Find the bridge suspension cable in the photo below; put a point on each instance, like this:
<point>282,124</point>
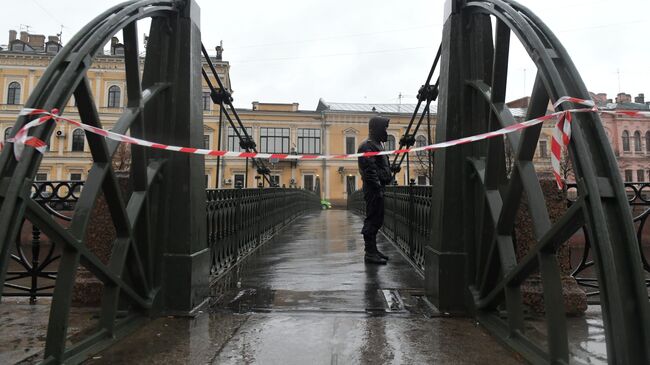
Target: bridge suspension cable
<point>426,93</point>
<point>223,96</point>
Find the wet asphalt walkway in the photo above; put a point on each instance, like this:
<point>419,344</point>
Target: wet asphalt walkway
<point>306,297</point>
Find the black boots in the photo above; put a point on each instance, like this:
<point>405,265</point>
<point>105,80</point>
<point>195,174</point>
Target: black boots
<point>374,258</point>
<point>373,255</point>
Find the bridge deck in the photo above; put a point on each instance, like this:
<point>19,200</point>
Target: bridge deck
<point>306,297</point>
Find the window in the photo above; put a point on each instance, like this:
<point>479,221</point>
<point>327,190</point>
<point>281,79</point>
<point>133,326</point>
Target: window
<point>626,141</point>
<point>75,176</point>
<point>308,182</point>
<point>7,133</point>
<point>41,176</point>
<point>390,144</point>
<point>233,140</point>
<point>13,93</point>
<point>78,140</point>
<point>637,141</point>
<point>114,95</point>
<point>422,180</point>
<point>350,145</point>
<point>207,181</point>
<point>239,180</point>
<point>207,100</point>
<point>351,184</point>
<point>309,141</point>
<point>628,175</point>
<point>275,180</point>
<point>206,141</point>
<point>647,141</point>
<point>640,176</point>
<point>543,150</point>
<point>18,47</point>
<point>421,141</point>
<point>274,140</point>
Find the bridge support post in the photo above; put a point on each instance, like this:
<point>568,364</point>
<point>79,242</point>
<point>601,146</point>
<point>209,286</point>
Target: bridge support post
<point>445,257</point>
<point>186,259</point>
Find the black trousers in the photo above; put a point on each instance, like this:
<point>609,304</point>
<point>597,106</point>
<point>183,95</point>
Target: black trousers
<point>374,216</point>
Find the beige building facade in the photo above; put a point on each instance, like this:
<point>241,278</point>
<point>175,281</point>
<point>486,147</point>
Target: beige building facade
<point>333,128</point>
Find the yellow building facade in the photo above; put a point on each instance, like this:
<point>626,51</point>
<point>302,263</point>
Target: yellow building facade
<point>332,128</point>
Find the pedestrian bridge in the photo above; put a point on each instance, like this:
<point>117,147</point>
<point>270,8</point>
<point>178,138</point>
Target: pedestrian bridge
<point>150,265</point>
<point>306,297</point>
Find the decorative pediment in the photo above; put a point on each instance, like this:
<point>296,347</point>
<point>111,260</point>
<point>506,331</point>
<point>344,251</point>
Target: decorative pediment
<point>350,131</point>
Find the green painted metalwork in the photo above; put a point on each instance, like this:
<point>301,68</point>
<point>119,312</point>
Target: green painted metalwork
<point>470,260</point>
<point>240,220</point>
<point>38,264</point>
<point>407,218</point>
<point>132,277</point>
<point>639,200</point>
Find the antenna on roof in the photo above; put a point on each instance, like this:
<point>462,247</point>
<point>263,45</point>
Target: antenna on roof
<point>399,104</point>
<point>25,27</point>
<point>60,34</point>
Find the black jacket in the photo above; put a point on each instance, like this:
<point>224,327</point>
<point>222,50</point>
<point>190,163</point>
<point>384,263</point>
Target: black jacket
<point>375,171</point>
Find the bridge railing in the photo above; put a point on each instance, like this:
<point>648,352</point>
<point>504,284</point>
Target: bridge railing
<point>582,269</point>
<point>239,220</point>
<point>407,218</point>
<point>34,257</point>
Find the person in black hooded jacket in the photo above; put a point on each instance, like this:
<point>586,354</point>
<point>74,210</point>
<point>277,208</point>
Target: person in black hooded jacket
<point>376,174</point>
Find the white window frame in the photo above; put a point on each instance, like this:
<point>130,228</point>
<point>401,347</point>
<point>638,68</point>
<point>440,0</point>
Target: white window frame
<point>8,82</point>
<point>313,175</point>
<point>356,183</point>
<point>279,176</point>
<point>122,94</point>
<point>209,103</point>
<point>71,138</point>
<point>345,142</point>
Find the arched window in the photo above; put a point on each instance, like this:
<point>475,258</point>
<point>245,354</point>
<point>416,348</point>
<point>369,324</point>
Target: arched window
<point>626,141</point>
<point>647,141</point>
<point>13,94</point>
<point>637,141</point>
<point>78,140</point>
<point>421,141</point>
<point>114,94</point>
<point>7,133</point>
<point>390,144</point>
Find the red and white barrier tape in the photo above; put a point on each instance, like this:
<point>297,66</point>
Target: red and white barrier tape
<point>560,141</point>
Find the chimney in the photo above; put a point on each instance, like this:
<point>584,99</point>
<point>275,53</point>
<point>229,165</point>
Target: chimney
<point>640,99</point>
<point>219,49</point>
<point>12,35</point>
<point>53,38</point>
<point>24,36</point>
<point>623,98</point>
<point>37,41</point>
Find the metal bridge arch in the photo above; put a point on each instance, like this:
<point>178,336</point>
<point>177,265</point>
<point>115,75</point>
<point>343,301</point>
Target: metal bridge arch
<point>163,104</point>
<point>473,76</point>
<point>472,240</point>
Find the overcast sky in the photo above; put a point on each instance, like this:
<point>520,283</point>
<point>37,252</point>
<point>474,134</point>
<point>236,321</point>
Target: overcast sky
<point>373,50</point>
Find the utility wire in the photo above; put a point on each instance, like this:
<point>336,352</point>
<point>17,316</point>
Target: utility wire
<point>341,36</point>
<point>330,55</point>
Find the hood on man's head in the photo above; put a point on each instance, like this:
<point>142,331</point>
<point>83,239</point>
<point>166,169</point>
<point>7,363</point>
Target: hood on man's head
<point>377,128</point>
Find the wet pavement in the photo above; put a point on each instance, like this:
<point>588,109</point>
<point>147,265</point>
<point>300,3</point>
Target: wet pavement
<point>306,297</point>
<point>23,328</point>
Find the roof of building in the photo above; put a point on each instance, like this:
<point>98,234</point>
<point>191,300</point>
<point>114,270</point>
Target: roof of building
<point>627,106</point>
<point>518,112</point>
<point>369,108</point>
